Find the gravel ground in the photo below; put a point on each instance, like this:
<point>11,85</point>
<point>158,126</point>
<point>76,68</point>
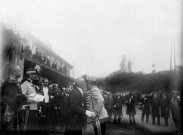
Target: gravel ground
<point>139,129</point>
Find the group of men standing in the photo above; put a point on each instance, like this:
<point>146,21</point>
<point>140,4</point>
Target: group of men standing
<point>157,104</point>
<point>161,104</point>
<point>86,100</point>
<point>21,112</point>
<point>81,101</point>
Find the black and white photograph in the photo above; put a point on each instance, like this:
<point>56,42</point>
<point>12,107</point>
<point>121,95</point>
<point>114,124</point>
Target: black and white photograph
<point>91,67</point>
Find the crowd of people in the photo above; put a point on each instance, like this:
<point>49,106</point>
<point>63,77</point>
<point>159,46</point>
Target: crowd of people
<point>40,106</point>
<point>74,106</point>
<point>156,104</point>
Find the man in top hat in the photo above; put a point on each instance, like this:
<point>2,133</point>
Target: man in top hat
<point>29,89</point>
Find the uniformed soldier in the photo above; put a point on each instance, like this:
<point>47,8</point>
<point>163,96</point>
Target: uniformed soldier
<point>29,89</point>
<point>12,98</point>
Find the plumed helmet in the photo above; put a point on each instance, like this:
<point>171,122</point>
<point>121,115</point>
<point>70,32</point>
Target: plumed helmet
<point>15,70</point>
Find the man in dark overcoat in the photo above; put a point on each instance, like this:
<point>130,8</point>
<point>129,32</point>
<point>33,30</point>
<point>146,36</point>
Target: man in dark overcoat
<point>117,104</point>
<point>108,102</point>
<point>55,107</point>
<point>155,107</point>
<point>146,109</point>
<point>78,110</point>
<point>165,107</point>
<point>131,109</point>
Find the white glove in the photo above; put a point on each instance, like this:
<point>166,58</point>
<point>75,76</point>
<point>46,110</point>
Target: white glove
<point>89,113</point>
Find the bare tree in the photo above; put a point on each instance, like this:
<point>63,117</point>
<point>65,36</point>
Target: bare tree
<point>129,66</point>
<point>123,66</point>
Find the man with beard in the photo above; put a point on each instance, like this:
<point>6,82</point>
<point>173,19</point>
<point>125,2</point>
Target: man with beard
<point>55,107</point>
<point>45,106</point>
<point>67,108</point>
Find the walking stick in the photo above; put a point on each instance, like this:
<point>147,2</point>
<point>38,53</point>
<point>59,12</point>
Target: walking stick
<point>97,122</point>
<point>98,126</point>
<point>18,125</point>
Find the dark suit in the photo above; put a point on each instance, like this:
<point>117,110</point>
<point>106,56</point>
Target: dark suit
<point>117,104</point>
<point>165,108</point>
<point>146,109</point>
<point>131,110</point>
<point>77,113</point>
<point>55,108</point>
<point>155,107</point>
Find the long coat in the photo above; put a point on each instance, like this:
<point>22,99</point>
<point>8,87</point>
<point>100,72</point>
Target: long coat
<point>155,105</point>
<point>131,107</point>
<point>98,103</point>
<point>77,111</point>
<point>10,90</point>
<point>146,105</point>
<point>108,102</point>
<point>176,111</point>
<point>165,107</point>
<point>117,102</point>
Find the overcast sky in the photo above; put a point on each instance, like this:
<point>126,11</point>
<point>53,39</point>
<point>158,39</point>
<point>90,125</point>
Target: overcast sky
<point>93,35</point>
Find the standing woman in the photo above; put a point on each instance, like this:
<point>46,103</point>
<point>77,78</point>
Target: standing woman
<point>98,107</point>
